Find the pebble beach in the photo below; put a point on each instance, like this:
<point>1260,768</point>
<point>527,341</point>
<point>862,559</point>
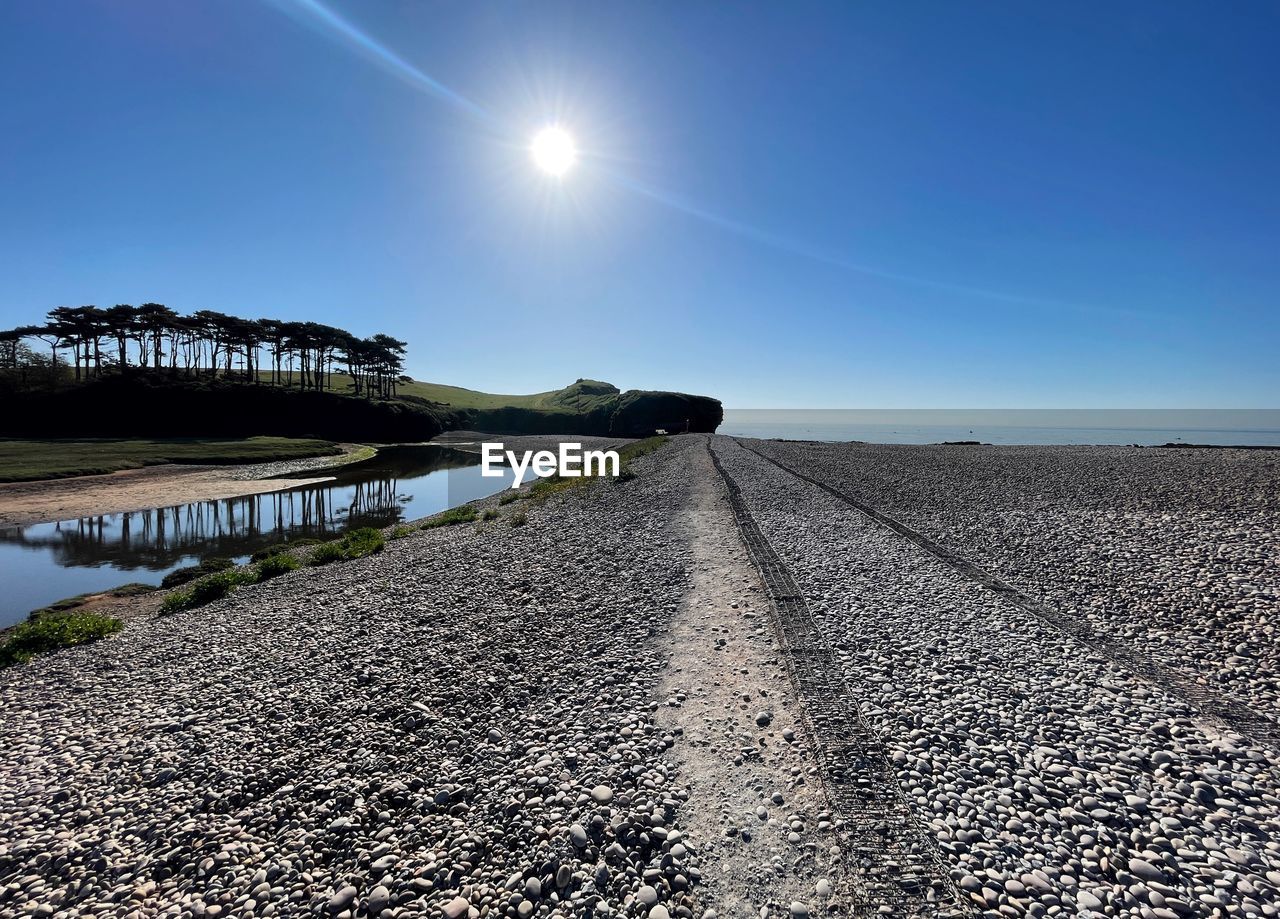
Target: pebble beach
<point>718,688</point>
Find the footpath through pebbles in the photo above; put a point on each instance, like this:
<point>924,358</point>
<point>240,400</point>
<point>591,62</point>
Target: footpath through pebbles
<point>1053,782</point>
<point>460,726</point>
<point>770,846</point>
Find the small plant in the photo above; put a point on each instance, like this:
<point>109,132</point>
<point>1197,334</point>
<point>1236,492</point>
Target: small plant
<point>544,488</point>
<point>401,532</point>
<point>50,632</point>
<point>176,602</point>
<point>207,589</point>
<point>356,544</point>
<point>490,513</point>
<point>364,541</point>
<point>217,586</point>
<point>508,496</point>
<point>199,570</point>
<point>519,519</point>
<point>282,547</point>
<point>464,513</point>
<point>276,565</point>
<point>326,553</point>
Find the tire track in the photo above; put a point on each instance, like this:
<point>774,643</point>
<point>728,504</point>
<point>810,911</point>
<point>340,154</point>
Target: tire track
<point>1224,714</point>
<point>896,870</point>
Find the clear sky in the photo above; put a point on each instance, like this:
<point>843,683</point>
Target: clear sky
<point>780,204</point>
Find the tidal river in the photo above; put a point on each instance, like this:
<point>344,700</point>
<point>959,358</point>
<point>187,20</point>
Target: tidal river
<point>45,562</point>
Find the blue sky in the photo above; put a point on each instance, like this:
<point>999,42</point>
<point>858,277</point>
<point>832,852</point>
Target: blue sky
<point>783,205</point>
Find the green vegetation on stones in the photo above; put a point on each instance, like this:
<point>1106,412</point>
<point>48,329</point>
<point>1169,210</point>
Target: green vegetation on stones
<point>401,532</point>
<point>545,488</point>
<point>639,448</point>
<point>490,513</point>
<point>208,589</point>
<point>519,519</point>
<point>50,632</point>
<point>463,513</point>
<point>191,572</point>
<point>356,544</point>
<point>217,586</point>
<point>509,496</point>
<point>272,563</point>
<point>276,565</point>
<point>176,602</point>
<point>283,547</point>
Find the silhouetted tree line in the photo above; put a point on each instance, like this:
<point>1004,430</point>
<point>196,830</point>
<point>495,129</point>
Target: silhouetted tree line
<point>204,344</point>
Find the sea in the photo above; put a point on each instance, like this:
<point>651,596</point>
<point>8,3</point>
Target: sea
<point>1144,427</point>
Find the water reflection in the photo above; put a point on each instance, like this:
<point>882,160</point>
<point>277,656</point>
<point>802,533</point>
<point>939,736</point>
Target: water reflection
<point>45,562</point>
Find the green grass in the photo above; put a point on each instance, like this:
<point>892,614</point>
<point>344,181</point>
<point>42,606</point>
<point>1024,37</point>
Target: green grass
<point>463,513</point>
<point>518,519</point>
<point>208,589</point>
<point>272,563</point>
<point>276,565</point>
<point>639,448</point>
<point>509,496</point>
<point>544,488</point>
<point>48,633</point>
<point>356,544</point>
<point>490,514</point>
<point>581,396</point>
<point>283,547</point>
<point>401,532</point>
<point>188,574</point>
<point>32,460</point>
<point>217,586</point>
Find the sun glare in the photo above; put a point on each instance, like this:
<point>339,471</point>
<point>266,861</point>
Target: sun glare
<point>554,151</point>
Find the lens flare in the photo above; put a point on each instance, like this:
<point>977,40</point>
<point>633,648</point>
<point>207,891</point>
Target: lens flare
<point>554,151</point>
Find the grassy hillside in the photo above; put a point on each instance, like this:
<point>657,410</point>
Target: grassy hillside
<point>582,396</point>
<point>584,407</point>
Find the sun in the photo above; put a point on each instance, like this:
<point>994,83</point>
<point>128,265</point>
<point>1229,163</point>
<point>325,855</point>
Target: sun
<point>554,151</point>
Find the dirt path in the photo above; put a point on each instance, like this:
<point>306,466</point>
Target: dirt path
<point>756,812</point>
<point>23,503</point>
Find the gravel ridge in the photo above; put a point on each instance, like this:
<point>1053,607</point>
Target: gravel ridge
<point>460,725</point>
<point>484,720</point>
<point>1175,552</point>
<point>1054,782</point>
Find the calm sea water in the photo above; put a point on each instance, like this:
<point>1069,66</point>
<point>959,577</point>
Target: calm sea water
<point>45,562</point>
<point>1243,427</point>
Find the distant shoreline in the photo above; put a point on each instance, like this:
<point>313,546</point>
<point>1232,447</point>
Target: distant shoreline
<point>1056,427</point>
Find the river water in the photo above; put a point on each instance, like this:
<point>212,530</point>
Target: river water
<point>45,562</point>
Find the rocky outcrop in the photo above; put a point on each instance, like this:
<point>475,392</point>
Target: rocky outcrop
<point>641,413</point>
<point>590,407</point>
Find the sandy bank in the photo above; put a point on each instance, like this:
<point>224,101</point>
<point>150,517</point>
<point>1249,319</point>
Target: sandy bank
<point>23,503</point>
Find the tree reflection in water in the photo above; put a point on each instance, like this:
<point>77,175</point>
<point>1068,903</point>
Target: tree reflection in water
<point>372,493</point>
